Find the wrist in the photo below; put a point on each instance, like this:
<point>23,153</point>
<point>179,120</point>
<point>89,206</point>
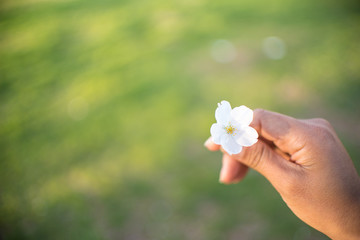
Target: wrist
<point>349,226</point>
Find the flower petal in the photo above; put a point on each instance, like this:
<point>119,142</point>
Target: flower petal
<point>222,113</point>
<point>242,114</point>
<point>246,136</point>
<point>216,131</point>
<point>230,145</point>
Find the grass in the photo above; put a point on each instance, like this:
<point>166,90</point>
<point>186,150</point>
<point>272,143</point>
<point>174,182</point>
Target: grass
<point>105,106</point>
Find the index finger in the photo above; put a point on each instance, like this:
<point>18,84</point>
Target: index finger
<point>209,144</point>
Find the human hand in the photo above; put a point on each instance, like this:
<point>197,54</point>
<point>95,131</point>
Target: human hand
<point>308,165</point>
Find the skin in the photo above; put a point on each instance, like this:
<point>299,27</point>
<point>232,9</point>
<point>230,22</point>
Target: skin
<point>308,165</point>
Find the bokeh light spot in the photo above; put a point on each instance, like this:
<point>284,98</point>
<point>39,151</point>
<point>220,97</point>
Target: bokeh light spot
<point>223,51</point>
<point>274,48</point>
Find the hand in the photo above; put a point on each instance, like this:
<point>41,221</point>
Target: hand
<point>307,164</point>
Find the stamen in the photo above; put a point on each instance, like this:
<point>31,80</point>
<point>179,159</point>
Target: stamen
<point>230,129</point>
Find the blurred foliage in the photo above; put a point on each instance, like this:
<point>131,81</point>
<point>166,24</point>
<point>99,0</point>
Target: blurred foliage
<point>105,105</point>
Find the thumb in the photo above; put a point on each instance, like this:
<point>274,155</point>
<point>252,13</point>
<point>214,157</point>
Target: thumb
<point>277,132</point>
<point>286,133</point>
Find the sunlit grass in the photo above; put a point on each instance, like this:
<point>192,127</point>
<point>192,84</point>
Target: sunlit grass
<point>105,106</point>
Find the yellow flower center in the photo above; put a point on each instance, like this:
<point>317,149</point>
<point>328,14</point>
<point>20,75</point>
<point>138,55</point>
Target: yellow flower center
<point>230,129</point>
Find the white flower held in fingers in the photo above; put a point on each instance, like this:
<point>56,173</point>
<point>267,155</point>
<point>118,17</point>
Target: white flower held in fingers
<point>232,130</point>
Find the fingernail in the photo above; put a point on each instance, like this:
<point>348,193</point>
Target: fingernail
<point>220,180</point>
<point>207,142</point>
<point>221,176</point>
<point>225,183</point>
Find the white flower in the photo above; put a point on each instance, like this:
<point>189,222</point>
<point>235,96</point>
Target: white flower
<point>232,130</point>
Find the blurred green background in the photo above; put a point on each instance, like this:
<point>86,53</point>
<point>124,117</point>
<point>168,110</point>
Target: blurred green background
<point>105,105</point>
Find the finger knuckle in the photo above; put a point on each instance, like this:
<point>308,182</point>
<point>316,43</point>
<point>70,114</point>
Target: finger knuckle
<point>322,122</point>
<point>323,133</point>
